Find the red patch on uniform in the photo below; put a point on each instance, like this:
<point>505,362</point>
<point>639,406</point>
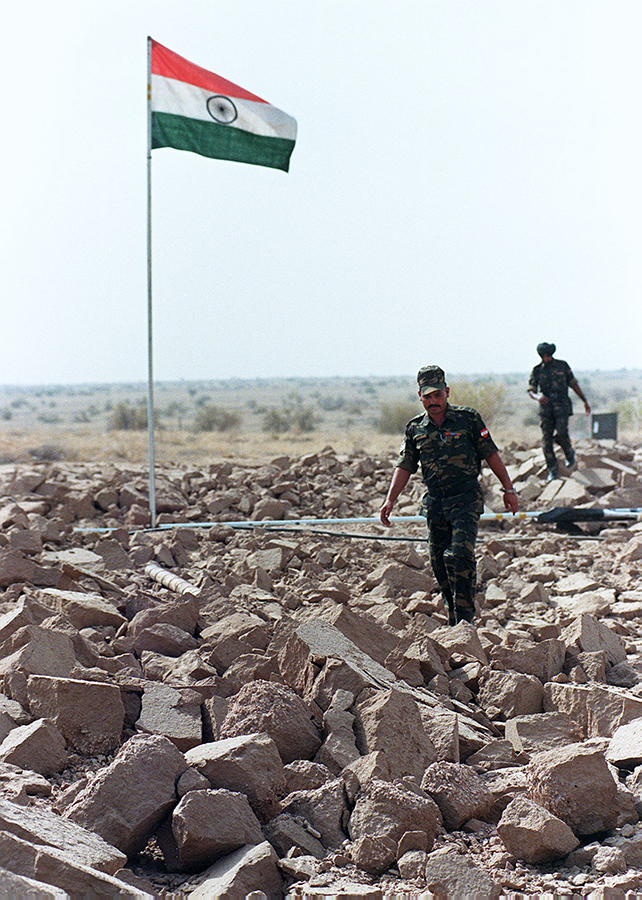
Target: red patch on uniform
<point>484,432</point>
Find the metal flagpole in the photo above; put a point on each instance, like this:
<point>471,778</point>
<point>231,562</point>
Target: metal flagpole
<point>150,371</point>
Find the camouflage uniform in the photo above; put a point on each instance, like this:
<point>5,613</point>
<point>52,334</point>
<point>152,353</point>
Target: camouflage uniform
<point>552,379</point>
<point>450,456</point>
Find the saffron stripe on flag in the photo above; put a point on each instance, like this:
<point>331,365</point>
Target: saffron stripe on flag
<point>171,65</point>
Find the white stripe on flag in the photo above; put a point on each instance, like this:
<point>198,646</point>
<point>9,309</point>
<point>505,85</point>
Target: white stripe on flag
<point>182,99</point>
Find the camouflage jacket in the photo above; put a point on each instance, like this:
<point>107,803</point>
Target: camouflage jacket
<point>552,380</point>
<point>450,454</point>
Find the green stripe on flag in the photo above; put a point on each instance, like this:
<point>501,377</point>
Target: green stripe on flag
<point>219,141</point>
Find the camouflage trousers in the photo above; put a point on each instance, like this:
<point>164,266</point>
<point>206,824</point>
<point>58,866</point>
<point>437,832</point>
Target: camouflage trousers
<point>452,531</point>
<point>553,420</point>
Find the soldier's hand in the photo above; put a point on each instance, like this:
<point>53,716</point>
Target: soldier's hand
<point>384,512</point>
<point>542,400</point>
<point>587,408</point>
<point>511,502</point>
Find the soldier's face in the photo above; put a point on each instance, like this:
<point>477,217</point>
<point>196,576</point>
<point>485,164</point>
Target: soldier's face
<point>435,403</point>
<point>547,358</point>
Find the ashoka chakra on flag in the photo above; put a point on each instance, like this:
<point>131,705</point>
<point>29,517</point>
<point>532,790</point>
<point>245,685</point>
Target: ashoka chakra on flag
<point>193,109</point>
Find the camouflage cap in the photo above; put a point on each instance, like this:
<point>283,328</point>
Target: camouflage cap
<point>545,349</point>
<point>431,378</point>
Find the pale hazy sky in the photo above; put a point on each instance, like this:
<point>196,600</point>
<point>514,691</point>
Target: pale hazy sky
<point>466,183</point>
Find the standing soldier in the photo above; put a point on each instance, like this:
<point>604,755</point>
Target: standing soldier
<point>548,385</point>
<point>450,443</point>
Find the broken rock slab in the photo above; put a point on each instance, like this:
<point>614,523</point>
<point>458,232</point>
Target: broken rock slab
<point>543,660</point>
<point>384,812</point>
<point>41,827</point>
<point>324,809</point>
<point>205,826</point>
<point>82,610</point>
<point>250,764</point>
<point>18,785</point>
<point>88,714</point>
<point>12,886</point>
<point>533,834</point>
<point>273,709</point>
<point>575,784</point>
<point>38,746</point>
<point>598,709</point>
<point>127,799</point>
<point>390,721</point>
<point>458,791</point>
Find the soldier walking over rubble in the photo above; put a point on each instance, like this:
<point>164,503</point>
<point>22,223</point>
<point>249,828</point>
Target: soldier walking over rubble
<point>450,443</point>
<point>548,385</point>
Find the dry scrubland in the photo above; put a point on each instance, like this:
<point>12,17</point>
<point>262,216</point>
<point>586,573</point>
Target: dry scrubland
<point>290,715</point>
<point>258,419</point>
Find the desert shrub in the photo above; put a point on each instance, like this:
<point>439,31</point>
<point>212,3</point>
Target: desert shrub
<point>50,453</point>
<point>295,418</point>
<point>304,419</point>
<point>6,414</point>
<point>49,418</point>
<point>203,400</point>
<point>331,403</point>
<point>214,418</point>
<point>487,397</point>
<point>630,412</point>
<point>276,421</point>
<point>82,416</point>
<point>128,418</point>
<point>393,417</point>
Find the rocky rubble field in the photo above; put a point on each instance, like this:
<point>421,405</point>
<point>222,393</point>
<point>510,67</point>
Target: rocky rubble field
<point>288,713</point>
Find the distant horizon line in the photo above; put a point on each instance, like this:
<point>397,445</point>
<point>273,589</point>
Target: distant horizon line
<point>264,379</point>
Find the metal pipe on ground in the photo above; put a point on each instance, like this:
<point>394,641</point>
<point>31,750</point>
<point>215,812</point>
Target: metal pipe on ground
<point>169,580</point>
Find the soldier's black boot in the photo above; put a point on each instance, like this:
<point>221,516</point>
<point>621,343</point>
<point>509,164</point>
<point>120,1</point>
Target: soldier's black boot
<point>552,475</point>
<point>464,614</point>
<point>570,460</point>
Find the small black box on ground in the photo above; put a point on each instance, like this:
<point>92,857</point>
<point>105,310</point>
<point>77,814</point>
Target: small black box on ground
<point>604,426</point>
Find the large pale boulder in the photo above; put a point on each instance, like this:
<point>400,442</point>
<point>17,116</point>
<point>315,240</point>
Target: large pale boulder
<point>504,695</point>
<point>390,721</point>
<point>207,825</point>
<point>448,873</point>
<point>172,712</point>
<point>128,798</point>
<point>545,731</point>
<point>458,791</point>
<point>83,610</point>
<point>249,763</point>
<point>88,714</point>
<point>533,834</point>
<point>249,871</point>
<point>625,747</point>
<point>384,812</point>
<point>273,709</point>
<point>56,867</point>
<point>587,634</point>
<point>575,784</point>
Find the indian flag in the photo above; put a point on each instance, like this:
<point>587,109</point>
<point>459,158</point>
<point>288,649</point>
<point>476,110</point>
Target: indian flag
<point>193,109</point>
